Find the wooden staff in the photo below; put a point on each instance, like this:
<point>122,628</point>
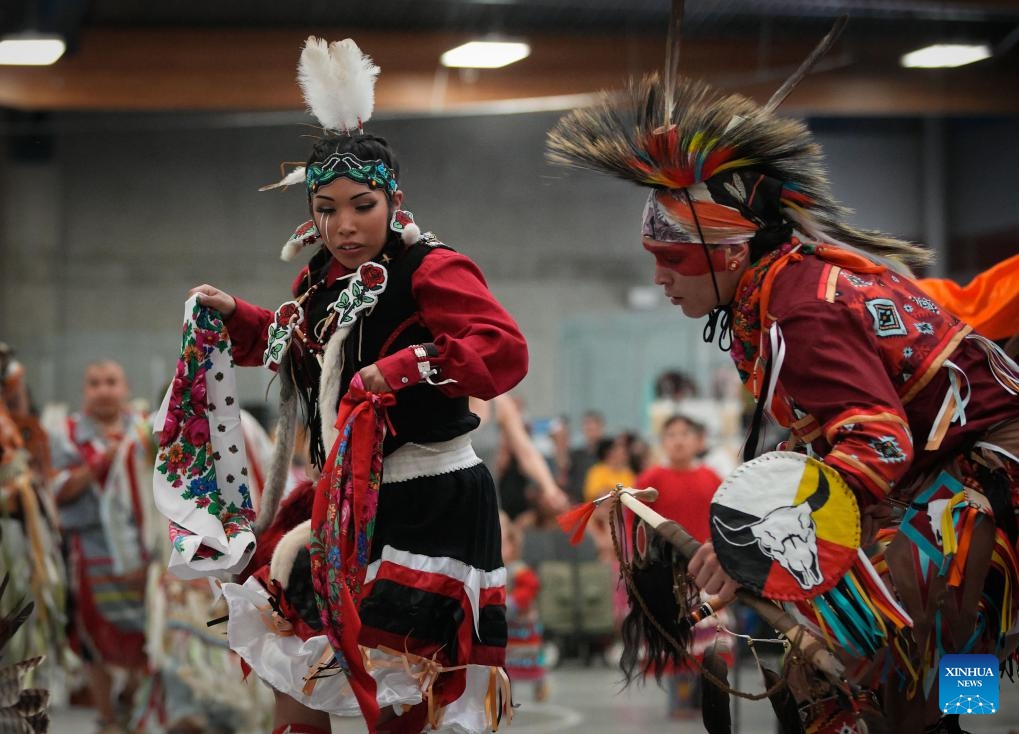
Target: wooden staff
<point>816,654</point>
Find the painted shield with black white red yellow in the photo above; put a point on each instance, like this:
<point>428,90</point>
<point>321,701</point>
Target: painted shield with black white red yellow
<point>785,526</point>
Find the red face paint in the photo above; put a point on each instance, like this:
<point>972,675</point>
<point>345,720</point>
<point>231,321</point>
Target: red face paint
<point>685,258</point>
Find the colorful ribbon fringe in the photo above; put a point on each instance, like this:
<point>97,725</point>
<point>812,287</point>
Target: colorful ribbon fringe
<point>343,520</point>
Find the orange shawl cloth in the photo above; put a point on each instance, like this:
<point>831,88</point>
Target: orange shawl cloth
<point>989,303</point>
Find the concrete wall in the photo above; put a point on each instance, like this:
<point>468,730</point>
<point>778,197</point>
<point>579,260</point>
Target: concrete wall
<point>101,240</point>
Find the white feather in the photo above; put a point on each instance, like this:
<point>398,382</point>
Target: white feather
<point>329,386</point>
<point>293,178</point>
<point>338,82</point>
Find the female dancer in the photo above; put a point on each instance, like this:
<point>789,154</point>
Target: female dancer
<point>405,593</point>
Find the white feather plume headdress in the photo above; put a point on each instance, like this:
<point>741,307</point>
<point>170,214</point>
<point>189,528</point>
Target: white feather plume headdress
<point>338,82</point>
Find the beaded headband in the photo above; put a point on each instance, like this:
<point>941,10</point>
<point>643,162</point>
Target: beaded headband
<point>374,174</point>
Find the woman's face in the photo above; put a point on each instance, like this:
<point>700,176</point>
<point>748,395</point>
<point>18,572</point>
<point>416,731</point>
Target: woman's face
<point>684,272</point>
<point>353,220</point>
<point>619,455</point>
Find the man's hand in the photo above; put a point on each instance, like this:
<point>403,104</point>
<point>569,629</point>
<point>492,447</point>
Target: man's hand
<point>709,574</point>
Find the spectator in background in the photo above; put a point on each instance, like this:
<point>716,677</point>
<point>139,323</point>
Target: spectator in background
<point>638,451</point>
<point>583,458</point>
<point>560,436</point>
<point>503,442</point>
<point>672,387</point>
<point>103,457</point>
<point>682,481</point>
<point>524,657</point>
<point>612,468</point>
<point>30,560</point>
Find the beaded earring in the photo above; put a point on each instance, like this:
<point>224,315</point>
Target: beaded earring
<point>403,224</point>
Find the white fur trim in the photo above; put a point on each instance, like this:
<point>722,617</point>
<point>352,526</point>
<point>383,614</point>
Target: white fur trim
<point>286,551</point>
<point>282,452</point>
<point>290,251</point>
<point>329,386</point>
<point>410,234</point>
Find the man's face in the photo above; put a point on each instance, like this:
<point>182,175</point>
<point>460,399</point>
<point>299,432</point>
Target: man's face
<point>105,390</point>
<point>593,428</point>
<point>684,272</point>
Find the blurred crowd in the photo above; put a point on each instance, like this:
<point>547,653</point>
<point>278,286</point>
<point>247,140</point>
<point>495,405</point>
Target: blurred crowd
<point>80,536</point>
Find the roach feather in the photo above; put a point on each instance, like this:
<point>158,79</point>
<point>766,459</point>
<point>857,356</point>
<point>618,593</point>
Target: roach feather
<point>622,135</point>
<point>808,63</point>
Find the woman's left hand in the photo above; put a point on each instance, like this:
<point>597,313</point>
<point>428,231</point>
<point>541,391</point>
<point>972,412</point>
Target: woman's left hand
<point>372,379</point>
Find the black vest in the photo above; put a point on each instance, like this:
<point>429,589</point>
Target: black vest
<point>422,414</point>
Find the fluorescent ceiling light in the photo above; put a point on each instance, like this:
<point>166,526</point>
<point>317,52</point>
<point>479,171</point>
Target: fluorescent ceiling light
<point>30,50</point>
<point>944,55</point>
<point>486,54</point>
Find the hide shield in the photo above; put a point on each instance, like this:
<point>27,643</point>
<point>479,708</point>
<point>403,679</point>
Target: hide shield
<point>785,526</point>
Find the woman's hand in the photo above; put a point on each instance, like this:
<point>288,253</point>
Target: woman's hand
<point>213,297</point>
<point>372,379</point>
<point>709,575</point>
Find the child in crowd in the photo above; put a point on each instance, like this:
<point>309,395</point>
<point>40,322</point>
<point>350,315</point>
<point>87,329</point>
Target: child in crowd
<point>685,488</point>
<point>524,656</point>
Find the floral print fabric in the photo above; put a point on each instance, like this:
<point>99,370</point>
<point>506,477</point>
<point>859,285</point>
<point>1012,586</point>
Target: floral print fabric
<point>201,477</point>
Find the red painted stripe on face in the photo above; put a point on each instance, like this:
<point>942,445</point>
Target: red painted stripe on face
<point>685,258</point>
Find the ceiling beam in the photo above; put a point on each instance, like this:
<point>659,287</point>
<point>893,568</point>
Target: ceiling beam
<point>220,70</point>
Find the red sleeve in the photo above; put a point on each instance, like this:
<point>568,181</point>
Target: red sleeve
<point>833,371</point>
<point>248,327</point>
<point>478,344</point>
<point>525,589</point>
